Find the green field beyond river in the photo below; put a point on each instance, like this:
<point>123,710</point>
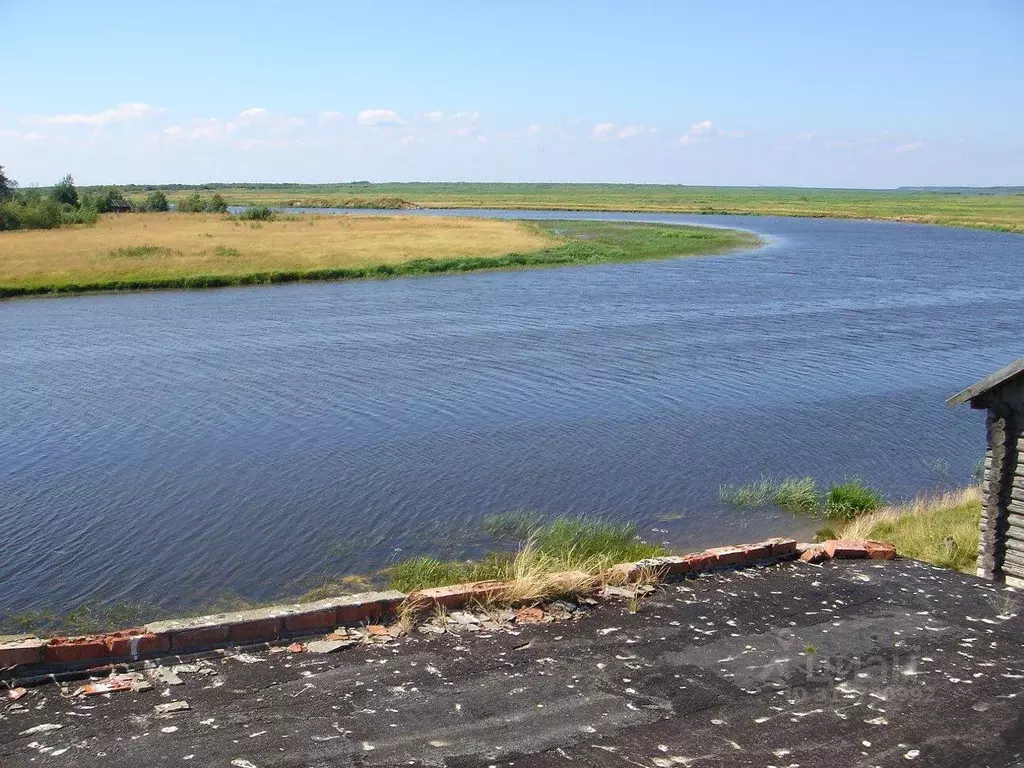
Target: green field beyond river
<point>997,208</point>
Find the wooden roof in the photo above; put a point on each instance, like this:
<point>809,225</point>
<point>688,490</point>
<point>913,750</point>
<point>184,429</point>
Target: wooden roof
<point>990,382</point>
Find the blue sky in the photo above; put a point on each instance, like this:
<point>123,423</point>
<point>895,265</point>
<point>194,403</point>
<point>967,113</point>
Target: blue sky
<point>852,94</point>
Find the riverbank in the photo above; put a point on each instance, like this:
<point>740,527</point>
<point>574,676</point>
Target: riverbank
<point>185,251</point>
<point>1000,209</point>
<point>942,530</point>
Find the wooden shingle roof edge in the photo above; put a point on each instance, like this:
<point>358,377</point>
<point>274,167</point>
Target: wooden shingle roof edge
<point>1003,375</point>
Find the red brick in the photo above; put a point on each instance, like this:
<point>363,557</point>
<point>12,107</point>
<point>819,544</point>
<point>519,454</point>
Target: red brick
<point>699,561</point>
<point>256,629</point>
<point>18,652</point>
<point>727,555</point>
<point>203,637</point>
<point>846,549</point>
<point>782,546</point>
<point>357,612</point>
<point>880,550</point>
<point>325,618</point>
<point>458,595</point>
<point>813,553</point>
<point>127,645</point>
<point>755,552</point>
<point>69,650</point>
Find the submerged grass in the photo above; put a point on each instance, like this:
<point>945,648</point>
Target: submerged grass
<point>842,501</point>
<point>290,249</point>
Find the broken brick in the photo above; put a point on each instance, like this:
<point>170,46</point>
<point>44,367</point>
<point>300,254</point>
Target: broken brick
<point>25,650</point>
<point>880,550</point>
<point>845,549</point>
<point>126,645</point>
<point>724,556</point>
<point>256,629</point>
<point>201,637</point>
<point>69,650</point>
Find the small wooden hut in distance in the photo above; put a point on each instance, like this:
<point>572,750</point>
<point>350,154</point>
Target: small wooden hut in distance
<point>1001,548</point>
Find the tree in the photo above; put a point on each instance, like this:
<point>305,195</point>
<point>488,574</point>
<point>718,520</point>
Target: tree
<point>217,204</point>
<point>64,191</point>
<point>155,201</point>
<point>194,203</point>
<point>7,185</point>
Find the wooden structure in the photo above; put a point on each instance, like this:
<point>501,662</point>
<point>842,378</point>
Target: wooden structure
<point>1001,548</point>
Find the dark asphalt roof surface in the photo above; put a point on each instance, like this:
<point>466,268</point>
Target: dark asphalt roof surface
<point>851,663</point>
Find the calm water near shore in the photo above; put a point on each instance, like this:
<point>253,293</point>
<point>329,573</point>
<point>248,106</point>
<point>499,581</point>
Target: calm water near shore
<point>168,446</point>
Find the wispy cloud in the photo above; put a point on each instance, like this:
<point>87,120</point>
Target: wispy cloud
<point>608,131</point>
<point>912,146</point>
<point>698,132</point>
<point>380,117</point>
<point>114,115</point>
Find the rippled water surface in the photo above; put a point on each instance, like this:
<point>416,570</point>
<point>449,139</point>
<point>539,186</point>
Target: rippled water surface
<point>169,446</point>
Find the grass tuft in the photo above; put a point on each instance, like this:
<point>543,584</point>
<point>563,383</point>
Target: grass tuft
<point>850,499</point>
<point>581,547</point>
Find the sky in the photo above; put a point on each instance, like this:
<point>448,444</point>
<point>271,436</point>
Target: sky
<point>823,94</point>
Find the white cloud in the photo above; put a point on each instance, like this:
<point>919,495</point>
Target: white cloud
<point>481,139</point>
<point>253,112</point>
<point>698,132</point>
<point>380,117</point>
<point>465,130</point>
<point>909,147</point>
<point>533,130</point>
<point>466,115</point>
<point>607,131</point>
<point>435,117</point>
<point>332,115</point>
<point>113,115</point>
<point>629,131</point>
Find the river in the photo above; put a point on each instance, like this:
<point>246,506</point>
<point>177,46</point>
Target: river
<point>167,446</point>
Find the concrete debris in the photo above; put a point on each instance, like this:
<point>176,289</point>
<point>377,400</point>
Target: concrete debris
<point>171,706</point>
<point>199,668</point>
<point>328,646</point>
<point>42,728</point>
<point>16,693</point>
<point>295,648</point>
<point>165,676</point>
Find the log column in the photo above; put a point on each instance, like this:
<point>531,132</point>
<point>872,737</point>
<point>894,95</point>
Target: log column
<point>1000,466</point>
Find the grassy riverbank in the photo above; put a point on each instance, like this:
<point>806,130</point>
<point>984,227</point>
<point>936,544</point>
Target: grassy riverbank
<point>942,530</point>
<point>996,209</point>
<point>175,250</point>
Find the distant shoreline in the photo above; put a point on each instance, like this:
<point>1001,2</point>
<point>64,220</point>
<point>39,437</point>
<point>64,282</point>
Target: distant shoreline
<point>999,209</point>
<point>569,243</point>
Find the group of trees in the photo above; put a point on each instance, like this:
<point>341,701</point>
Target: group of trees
<point>63,204</point>
<point>196,203</point>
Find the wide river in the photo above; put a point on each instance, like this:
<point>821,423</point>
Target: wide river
<point>167,447</point>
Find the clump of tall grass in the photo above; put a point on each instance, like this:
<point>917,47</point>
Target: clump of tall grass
<point>842,501</point>
<point>256,213</point>
<point>581,545</point>
<point>850,499</point>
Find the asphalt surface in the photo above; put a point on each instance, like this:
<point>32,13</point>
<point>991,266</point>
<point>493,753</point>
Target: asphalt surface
<point>851,663</point>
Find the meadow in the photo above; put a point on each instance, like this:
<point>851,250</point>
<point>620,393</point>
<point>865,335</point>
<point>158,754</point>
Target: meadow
<point>1000,209</point>
<point>179,250</point>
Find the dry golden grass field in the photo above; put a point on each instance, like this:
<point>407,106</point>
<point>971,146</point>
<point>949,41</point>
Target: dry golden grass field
<point>167,245</point>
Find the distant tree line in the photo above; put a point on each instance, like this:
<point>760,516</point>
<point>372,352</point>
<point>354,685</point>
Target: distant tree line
<point>64,204</point>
